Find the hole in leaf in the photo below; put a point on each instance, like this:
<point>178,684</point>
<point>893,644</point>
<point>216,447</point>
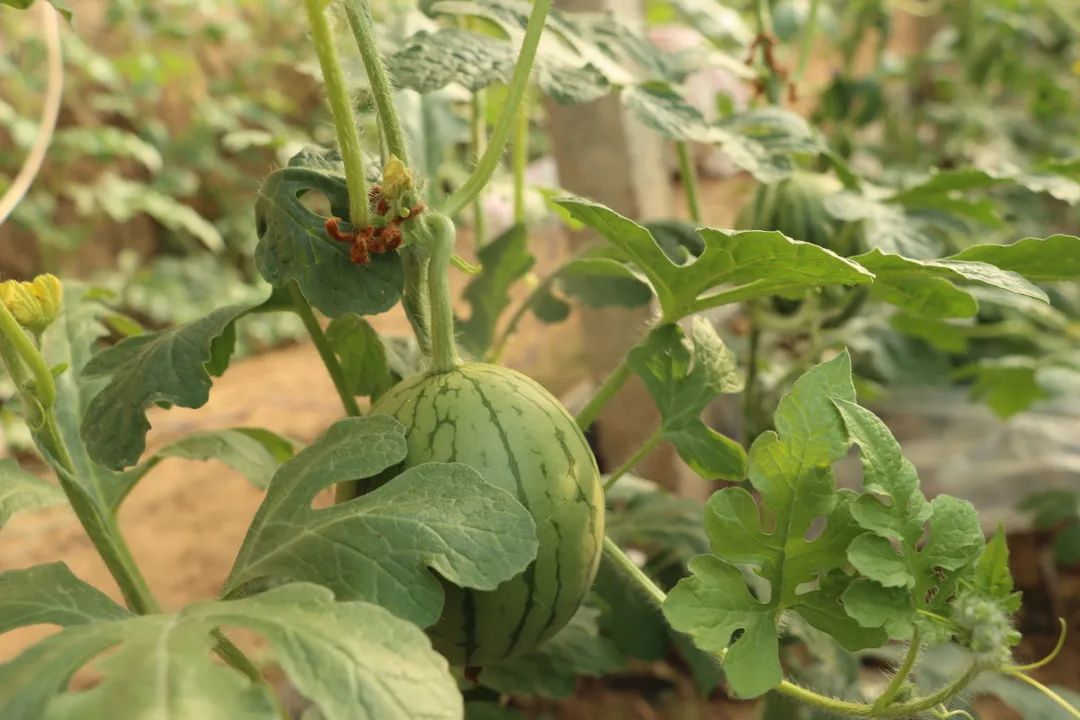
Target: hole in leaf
<point>316,202</point>
<point>816,528</point>
<point>924,539</point>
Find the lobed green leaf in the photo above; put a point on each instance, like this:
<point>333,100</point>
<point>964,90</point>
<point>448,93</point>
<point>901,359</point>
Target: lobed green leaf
<point>929,287</point>
<point>1048,259</point>
<point>381,547</point>
<point>352,660</point>
<point>294,246</point>
<point>683,376</point>
<point>790,469</point>
<point>172,366</point>
<point>749,264</point>
<point>20,491</point>
<point>504,261</point>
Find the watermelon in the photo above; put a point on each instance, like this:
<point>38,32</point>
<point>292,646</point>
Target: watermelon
<point>521,439</point>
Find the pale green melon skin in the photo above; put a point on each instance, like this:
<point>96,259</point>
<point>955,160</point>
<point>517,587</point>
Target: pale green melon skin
<point>521,439</point>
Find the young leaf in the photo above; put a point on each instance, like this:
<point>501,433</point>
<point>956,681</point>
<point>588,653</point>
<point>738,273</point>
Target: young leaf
<point>294,247</point>
<point>171,366</point>
<point>900,571</point>
<point>927,287</point>
<point>1047,259</point>
<point>682,379</point>
<point>791,469</point>
<point>429,61</point>
<point>381,546</point>
<point>505,260</point>
<point>551,670</point>
<point>51,594</point>
<point>992,575</point>
<point>352,660</point>
<point>363,355</point>
<point>19,491</point>
<point>756,263</point>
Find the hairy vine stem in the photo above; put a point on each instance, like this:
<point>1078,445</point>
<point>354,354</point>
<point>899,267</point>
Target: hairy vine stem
<point>437,232</point>
<point>897,683</point>
<point>363,28</point>
<point>519,83</point>
<point>415,261</point>
<point>341,108</point>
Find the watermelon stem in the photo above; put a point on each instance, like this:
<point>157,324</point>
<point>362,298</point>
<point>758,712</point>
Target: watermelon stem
<point>439,233</point>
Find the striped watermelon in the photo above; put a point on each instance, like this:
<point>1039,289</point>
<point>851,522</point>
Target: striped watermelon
<point>521,439</point>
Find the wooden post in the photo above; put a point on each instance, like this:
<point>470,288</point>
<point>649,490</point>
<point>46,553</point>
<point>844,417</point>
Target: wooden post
<point>604,155</point>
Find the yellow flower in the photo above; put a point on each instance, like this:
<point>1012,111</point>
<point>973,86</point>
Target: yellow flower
<point>34,304</point>
<point>397,180</point>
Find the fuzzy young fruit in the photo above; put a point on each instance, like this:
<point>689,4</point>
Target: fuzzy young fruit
<point>521,439</point>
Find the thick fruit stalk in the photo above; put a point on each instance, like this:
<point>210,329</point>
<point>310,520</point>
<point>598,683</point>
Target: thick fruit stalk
<point>521,439</point>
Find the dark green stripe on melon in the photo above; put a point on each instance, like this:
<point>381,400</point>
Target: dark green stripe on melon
<point>521,439</point>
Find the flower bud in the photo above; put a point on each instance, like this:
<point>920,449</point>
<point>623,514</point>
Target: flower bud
<point>34,304</point>
<point>397,180</point>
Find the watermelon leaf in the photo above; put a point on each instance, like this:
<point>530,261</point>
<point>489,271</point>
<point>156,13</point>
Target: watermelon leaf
<point>791,469</point>
<point>51,594</point>
<point>928,287</point>
<point>380,547</point>
<point>898,569</point>
<point>1048,259</point>
<point>430,61</point>
<point>683,376</point>
<point>362,354</point>
<point>254,452</point>
<point>20,491</point>
<point>504,260</point>
<point>351,659</point>
<point>1008,384</point>
<point>751,264</point>
<point>172,366</point>
<point>294,247</point>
